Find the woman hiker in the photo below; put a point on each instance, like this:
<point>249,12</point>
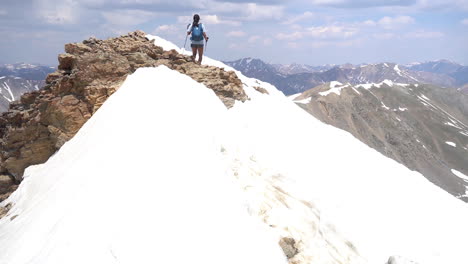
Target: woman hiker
<point>198,32</point>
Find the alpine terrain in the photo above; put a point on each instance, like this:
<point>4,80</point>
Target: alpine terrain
<point>17,79</point>
<point>209,166</point>
<point>294,78</point>
<point>424,127</point>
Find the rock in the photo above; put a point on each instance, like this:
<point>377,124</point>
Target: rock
<point>7,186</point>
<point>66,61</point>
<point>288,246</point>
<point>88,73</point>
<point>261,90</point>
<point>399,260</point>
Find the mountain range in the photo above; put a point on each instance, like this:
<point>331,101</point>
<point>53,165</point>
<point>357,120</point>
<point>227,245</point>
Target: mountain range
<point>295,78</point>
<point>17,79</point>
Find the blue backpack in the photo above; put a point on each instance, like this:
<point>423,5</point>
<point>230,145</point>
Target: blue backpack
<point>197,33</point>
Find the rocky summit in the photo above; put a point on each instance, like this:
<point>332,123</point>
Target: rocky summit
<point>38,124</point>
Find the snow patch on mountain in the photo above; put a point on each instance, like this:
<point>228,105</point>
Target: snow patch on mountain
<point>451,143</point>
<point>461,175</point>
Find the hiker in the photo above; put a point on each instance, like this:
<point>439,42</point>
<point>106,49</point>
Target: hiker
<point>198,32</point>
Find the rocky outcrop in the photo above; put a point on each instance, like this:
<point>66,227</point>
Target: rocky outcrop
<point>39,123</point>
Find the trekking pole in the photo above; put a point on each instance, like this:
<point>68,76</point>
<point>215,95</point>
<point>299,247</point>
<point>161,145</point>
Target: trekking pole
<point>206,45</point>
<point>186,35</point>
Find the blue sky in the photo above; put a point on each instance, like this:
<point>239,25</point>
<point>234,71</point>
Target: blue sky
<point>304,31</point>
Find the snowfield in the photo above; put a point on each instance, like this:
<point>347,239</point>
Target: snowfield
<point>149,180</point>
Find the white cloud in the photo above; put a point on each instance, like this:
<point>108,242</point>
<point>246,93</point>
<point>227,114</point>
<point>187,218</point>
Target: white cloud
<point>424,34</point>
<point>209,19</point>
<point>384,36</point>
<point>363,3</point>
<point>254,39</point>
<point>322,32</point>
<point>291,36</point>
<point>267,42</point>
<point>234,46</point>
<point>236,34</point>
<point>57,13</point>
<point>394,22</point>
<point>3,12</point>
<point>167,29</point>
<point>327,32</point>
<point>446,5</point>
<point>254,11</point>
<point>464,21</point>
<point>370,23</point>
<point>295,19</point>
<point>128,17</point>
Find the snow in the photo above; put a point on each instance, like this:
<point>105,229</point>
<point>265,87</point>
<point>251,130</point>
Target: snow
<point>390,83</point>
<point>452,125</point>
<point>2,77</point>
<point>402,109</point>
<point>423,96</point>
<point>335,87</point>
<point>398,71</point>
<point>160,197</point>
<point>185,174</point>
<point>461,175</point>
<point>464,133</point>
<point>294,96</point>
<point>8,89</point>
<point>384,106</point>
<point>304,101</point>
<point>334,84</point>
<point>450,143</point>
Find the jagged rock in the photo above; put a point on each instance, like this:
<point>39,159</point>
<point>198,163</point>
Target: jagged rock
<point>88,73</point>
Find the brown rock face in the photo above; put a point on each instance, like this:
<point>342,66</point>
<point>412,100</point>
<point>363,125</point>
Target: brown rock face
<point>36,126</point>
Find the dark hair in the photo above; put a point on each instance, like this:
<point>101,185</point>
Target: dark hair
<point>196,19</point>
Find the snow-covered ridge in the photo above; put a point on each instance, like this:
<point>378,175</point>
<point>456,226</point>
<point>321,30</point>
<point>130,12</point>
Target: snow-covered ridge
<point>336,87</point>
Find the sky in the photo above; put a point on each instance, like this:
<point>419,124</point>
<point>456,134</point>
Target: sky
<point>314,32</point>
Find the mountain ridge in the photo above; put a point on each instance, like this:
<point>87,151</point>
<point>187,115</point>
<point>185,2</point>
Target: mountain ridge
<point>354,74</point>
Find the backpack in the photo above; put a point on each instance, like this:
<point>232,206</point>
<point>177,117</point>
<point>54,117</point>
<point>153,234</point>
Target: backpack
<point>197,33</point>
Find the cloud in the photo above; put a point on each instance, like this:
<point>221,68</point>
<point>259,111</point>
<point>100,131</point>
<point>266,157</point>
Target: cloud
<point>236,34</point>
<point>464,21</point>
<point>167,29</point>
<point>384,36</point>
<point>57,13</point>
<point>209,19</point>
<point>127,17</point>
<point>322,32</point>
<point>301,17</point>
<point>422,34</point>
<point>254,39</point>
<point>3,12</point>
<point>267,42</point>
<point>363,3</point>
<point>263,12</point>
<point>394,22</point>
<point>293,45</point>
<point>291,36</point>
<point>442,5</point>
